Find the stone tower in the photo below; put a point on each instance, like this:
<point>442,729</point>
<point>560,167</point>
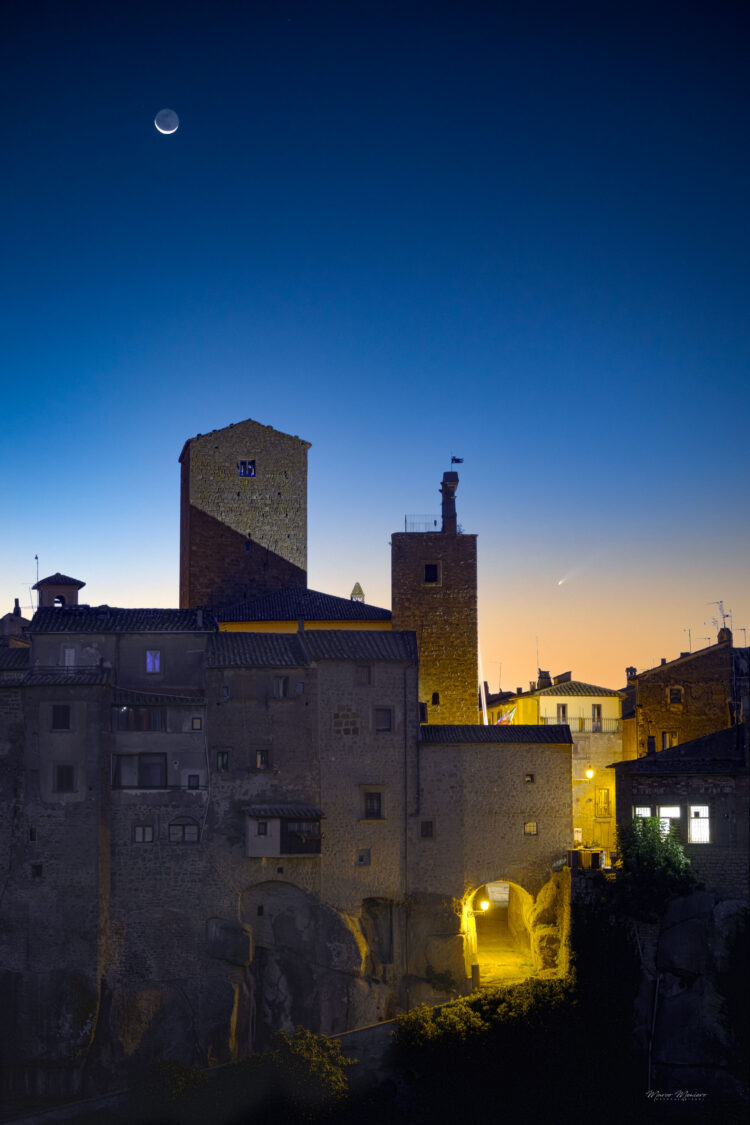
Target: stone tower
<point>434,592</point>
<point>243,514</point>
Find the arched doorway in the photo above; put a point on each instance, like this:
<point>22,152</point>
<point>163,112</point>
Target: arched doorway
<point>503,949</point>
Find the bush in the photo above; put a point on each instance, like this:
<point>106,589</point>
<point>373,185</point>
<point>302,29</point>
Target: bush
<point>652,866</point>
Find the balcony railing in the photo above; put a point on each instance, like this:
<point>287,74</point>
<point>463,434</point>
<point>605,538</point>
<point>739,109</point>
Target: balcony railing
<point>584,726</point>
<point>423,523</point>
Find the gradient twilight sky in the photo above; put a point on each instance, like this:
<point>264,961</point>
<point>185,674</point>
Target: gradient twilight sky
<point>512,231</point>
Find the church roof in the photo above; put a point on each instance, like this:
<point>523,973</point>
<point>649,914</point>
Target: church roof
<point>502,734</point>
<point>298,603</point>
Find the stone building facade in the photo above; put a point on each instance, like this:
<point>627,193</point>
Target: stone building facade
<point>700,790</point>
<point>696,694</point>
<point>434,593</point>
<point>243,514</point>
<point>210,836</point>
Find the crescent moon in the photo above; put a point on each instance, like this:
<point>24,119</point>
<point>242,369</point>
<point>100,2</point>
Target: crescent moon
<point>167,121</point>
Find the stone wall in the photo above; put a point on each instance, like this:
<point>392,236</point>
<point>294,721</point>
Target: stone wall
<point>443,614</point>
<point>704,681</point>
<point>242,535</point>
<point>479,802</point>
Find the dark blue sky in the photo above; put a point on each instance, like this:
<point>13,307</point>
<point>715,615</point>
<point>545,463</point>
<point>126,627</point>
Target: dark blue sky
<point>512,231</point>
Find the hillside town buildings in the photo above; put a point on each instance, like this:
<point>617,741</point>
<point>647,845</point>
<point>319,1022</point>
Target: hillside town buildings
<point>271,806</point>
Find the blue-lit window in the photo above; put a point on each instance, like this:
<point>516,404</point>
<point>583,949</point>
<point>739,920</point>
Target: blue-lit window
<point>246,468</point>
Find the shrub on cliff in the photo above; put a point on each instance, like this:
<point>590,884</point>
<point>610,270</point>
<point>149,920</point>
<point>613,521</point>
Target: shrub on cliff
<point>652,867</point>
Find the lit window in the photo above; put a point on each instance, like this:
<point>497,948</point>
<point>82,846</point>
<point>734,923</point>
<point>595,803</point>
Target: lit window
<point>383,719</point>
<point>642,811</point>
<point>65,777</point>
<point>183,831</point>
<point>668,813</point>
<point>246,468</point>
<point>530,828</point>
<point>698,825</point>
<point>197,722</point>
<point>427,829</point>
<point>61,716</point>
<point>139,771</point>
<point>372,805</point>
<point>222,761</point>
<point>261,759</point>
<point>143,833</point>
<point>153,660</point>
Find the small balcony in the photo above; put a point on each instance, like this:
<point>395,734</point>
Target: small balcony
<point>584,726</point>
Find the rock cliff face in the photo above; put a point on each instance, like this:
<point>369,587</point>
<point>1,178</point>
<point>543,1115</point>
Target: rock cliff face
<point>683,1011</point>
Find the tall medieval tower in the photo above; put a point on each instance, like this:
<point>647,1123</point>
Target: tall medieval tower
<point>434,592</point>
<point>243,514</point>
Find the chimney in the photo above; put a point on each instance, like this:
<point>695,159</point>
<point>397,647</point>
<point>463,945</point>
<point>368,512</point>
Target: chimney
<point>519,691</point>
<point>725,635</point>
<point>448,490</point>
<point>544,679</point>
<point>16,608</point>
<point>532,685</point>
<point>663,660</point>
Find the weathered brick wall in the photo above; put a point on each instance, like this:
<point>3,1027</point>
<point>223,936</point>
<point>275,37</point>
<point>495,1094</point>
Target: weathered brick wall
<point>443,615</point>
<point>705,681</point>
<point>241,535</point>
<point>479,800</point>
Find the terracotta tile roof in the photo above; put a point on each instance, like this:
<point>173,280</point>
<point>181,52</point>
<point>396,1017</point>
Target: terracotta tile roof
<point>14,657</point>
<point>287,812</point>
<point>107,619</point>
<point>61,677</point>
<point>576,687</point>
<point>498,734</point>
<point>58,580</point>
<point>725,751</point>
<point>298,602</point>
<point>256,650</point>
<point>359,644</point>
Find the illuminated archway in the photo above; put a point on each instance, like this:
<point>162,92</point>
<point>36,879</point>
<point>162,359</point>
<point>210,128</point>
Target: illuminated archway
<point>498,947</point>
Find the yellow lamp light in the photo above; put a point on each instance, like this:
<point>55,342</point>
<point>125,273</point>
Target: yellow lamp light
<point>589,774</point>
<point>484,905</point>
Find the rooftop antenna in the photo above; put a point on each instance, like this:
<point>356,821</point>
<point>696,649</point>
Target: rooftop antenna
<point>36,559</point>
<point>722,614</point>
<point>743,630</point>
<point>537,651</point>
<point>690,640</point>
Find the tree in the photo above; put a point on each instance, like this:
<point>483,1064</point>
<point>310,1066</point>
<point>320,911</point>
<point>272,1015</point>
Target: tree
<point>652,866</point>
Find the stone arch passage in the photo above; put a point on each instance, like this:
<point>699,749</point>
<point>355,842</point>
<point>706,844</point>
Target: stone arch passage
<point>497,937</point>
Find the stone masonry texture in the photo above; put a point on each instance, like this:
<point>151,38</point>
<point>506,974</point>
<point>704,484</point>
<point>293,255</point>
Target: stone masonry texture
<point>242,535</point>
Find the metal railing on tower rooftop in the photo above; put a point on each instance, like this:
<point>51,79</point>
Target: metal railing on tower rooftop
<point>423,523</point>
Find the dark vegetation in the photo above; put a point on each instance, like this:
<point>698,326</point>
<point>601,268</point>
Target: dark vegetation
<point>540,1050</point>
